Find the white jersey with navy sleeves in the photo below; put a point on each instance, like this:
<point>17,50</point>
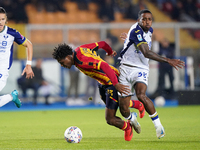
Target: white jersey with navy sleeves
<point>131,55</point>
<point>7,37</point>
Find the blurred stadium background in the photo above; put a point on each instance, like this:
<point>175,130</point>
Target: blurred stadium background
<point>46,23</point>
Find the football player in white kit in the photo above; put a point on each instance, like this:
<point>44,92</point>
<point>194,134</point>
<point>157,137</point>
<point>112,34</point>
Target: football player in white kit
<point>134,69</point>
<point>7,37</point>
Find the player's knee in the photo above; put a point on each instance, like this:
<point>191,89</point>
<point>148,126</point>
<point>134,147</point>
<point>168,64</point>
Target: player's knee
<point>110,120</point>
<point>125,111</point>
<point>124,107</point>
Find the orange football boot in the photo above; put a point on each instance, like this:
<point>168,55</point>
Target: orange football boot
<point>141,110</point>
<point>128,134</point>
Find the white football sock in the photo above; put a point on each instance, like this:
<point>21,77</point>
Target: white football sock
<point>5,99</point>
<point>130,117</point>
<point>155,119</point>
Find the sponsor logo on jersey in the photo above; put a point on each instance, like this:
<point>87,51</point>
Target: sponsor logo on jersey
<point>139,37</point>
<point>2,51</point>
<point>5,37</point>
<point>137,31</point>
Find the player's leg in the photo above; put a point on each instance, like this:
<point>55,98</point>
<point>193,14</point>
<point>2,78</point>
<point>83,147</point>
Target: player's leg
<point>140,89</point>
<point>124,100</point>
<point>113,120</point>
<point>138,105</point>
<point>4,99</point>
<point>132,117</point>
<point>111,100</point>
<point>124,106</point>
<point>110,113</point>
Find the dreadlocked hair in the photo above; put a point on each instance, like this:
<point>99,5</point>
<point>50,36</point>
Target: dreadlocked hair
<point>62,51</point>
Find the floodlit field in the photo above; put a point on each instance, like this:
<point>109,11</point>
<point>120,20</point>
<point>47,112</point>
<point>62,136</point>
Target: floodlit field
<point>45,130</point>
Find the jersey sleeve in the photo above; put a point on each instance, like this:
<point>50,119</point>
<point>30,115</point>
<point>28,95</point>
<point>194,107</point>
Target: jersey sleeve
<point>105,46</point>
<point>136,36</point>
<point>99,45</point>
<point>109,72</point>
<point>19,39</point>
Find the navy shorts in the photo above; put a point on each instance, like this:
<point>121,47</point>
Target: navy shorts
<point>109,95</point>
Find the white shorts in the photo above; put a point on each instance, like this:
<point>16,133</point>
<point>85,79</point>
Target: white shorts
<point>131,75</point>
<point>3,79</point>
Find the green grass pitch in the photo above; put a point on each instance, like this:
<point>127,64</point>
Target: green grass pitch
<point>22,130</point>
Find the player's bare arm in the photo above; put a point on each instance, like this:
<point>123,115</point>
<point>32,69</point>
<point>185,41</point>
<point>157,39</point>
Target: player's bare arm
<point>176,63</point>
<point>28,70</point>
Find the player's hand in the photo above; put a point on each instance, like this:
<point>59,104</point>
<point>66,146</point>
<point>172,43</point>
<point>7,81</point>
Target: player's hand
<point>122,88</point>
<point>29,72</point>
<point>114,53</point>
<point>176,63</point>
<point>123,36</point>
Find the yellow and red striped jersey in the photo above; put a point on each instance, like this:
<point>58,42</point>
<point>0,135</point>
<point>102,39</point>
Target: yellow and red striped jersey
<point>89,62</point>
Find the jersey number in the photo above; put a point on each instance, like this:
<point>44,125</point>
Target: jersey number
<point>4,43</point>
<point>1,75</point>
<point>110,92</point>
<point>144,74</point>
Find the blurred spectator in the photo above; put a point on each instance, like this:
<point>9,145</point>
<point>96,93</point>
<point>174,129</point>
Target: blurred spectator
<point>106,10</point>
<point>167,7</point>
<point>16,10</point>
<point>82,4</point>
<point>74,74</point>
<point>180,10</point>
<point>35,83</point>
<point>177,11</point>
<point>8,5</point>
<point>133,9</point>
<point>160,3</point>
<point>191,9</point>
<point>20,15</point>
<point>91,89</point>
<point>49,5</point>
<point>121,5</point>
<point>167,50</point>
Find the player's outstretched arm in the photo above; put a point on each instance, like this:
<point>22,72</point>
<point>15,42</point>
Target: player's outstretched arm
<point>176,63</point>
<point>28,70</point>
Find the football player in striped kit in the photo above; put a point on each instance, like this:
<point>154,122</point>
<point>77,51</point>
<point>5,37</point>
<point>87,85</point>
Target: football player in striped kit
<point>134,67</point>
<point>89,62</point>
<point>7,37</point>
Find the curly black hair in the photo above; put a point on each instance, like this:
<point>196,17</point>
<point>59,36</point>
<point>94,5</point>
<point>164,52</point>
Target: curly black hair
<point>62,51</point>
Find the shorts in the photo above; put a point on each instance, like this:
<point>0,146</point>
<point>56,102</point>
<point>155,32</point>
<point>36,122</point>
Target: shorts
<point>132,75</point>
<point>109,95</point>
<point>3,79</point>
